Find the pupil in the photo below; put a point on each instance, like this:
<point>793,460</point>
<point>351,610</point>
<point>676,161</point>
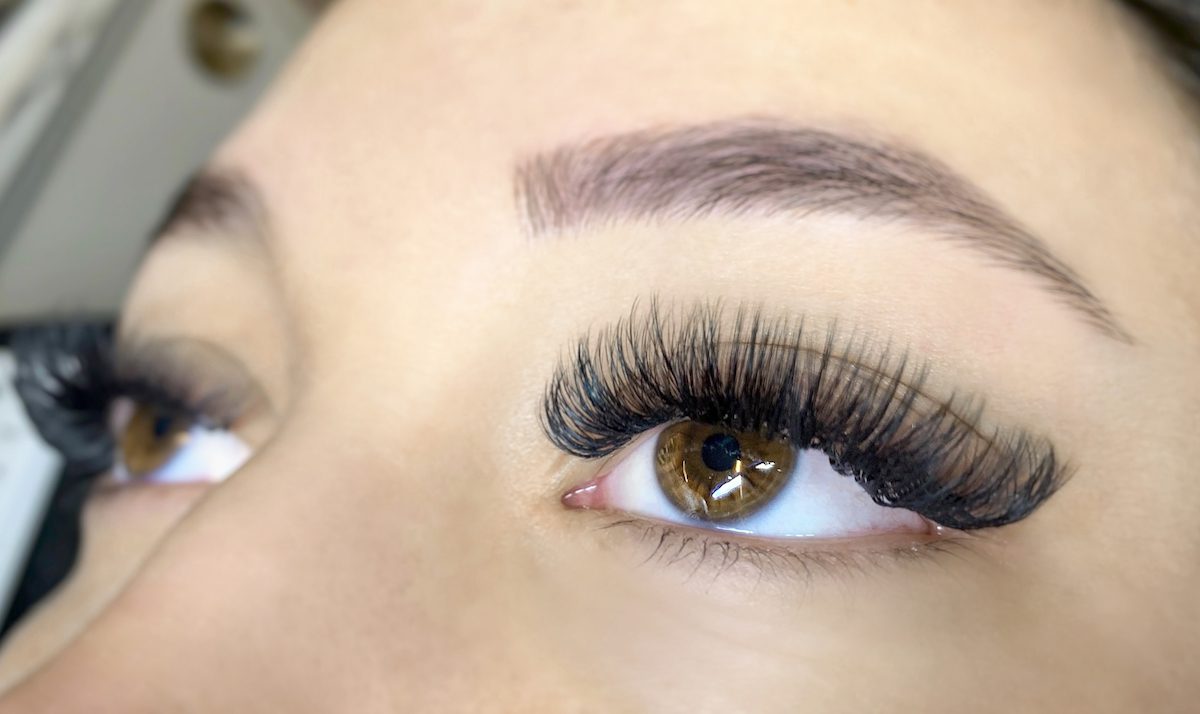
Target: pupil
<point>162,426</point>
<point>720,451</point>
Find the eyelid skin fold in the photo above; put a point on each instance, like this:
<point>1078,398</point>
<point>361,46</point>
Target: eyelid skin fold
<point>864,406</point>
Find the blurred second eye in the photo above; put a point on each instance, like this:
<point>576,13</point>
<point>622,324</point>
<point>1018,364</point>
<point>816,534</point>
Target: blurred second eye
<point>160,445</point>
<point>711,477</point>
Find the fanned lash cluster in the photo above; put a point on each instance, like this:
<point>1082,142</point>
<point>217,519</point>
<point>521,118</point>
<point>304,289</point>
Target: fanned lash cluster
<point>864,407</point>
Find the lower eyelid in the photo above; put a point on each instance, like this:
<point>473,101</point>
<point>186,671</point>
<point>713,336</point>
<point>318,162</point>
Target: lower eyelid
<point>712,554</point>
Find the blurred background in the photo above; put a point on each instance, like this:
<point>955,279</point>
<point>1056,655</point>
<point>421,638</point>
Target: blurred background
<point>106,108</point>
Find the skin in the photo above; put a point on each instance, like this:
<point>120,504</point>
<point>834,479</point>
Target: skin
<point>398,543</point>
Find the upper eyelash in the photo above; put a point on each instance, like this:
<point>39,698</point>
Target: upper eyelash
<point>863,407</point>
<point>69,375</point>
<point>158,372</point>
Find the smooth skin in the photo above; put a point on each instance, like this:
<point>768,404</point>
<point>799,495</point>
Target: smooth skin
<point>398,544</point>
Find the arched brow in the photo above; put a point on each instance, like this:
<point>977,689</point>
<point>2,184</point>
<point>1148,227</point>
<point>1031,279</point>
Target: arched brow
<point>217,200</point>
<point>766,167</point>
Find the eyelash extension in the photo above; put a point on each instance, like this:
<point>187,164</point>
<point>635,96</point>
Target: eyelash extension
<point>69,375</point>
<point>864,408</point>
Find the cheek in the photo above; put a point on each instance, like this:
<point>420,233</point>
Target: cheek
<point>120,528</point>
<point>122,524</point>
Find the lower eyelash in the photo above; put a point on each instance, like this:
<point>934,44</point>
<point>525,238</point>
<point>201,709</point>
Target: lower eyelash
<point>704,553</point>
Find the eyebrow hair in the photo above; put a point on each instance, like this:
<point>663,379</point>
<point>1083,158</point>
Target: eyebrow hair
<point>757,167</point>
<point>215,199</point>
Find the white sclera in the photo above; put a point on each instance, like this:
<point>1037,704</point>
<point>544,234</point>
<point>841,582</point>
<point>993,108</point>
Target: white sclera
<point>208,456</point>
<point>816,501</point>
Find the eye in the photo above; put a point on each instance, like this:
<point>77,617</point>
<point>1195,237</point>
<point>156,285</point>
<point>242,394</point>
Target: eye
<point>157,444</point>
<point>709,476</point>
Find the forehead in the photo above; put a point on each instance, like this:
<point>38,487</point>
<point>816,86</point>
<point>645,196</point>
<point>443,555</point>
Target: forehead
<point>406,122</point>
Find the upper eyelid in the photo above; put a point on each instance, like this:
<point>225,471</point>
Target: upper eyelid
<point>890,365</point>
<point>207,377</point>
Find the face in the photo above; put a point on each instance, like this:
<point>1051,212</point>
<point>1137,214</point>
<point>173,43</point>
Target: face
<point>662,357</point>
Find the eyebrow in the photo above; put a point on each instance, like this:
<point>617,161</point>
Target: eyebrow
<point>763,167</point>
<point>217,200</point>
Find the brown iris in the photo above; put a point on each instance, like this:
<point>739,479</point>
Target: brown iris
<point>151,437</point>
<point>718,474</point>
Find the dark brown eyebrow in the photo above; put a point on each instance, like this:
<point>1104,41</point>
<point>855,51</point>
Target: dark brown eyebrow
<point>766,167</point>
<point>215,199</point>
